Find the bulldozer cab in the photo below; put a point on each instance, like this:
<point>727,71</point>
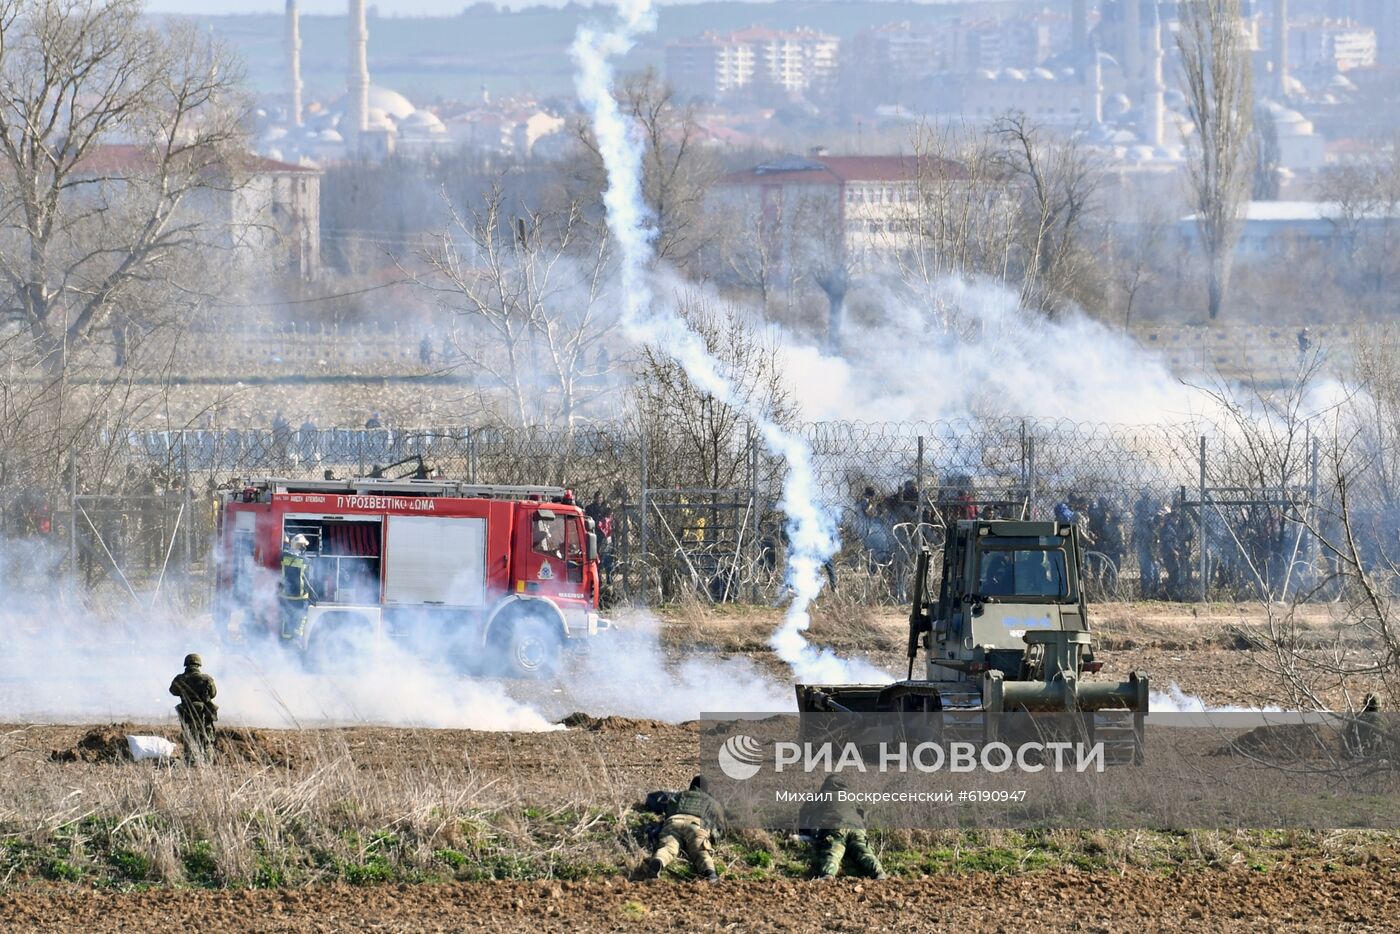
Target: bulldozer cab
<point>1000,581</point>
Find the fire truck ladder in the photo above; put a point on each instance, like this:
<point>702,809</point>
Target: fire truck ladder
<point>366,486</point>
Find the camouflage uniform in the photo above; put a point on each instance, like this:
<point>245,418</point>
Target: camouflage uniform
<point>840,836</point>
<point>196,710</point>
<point>687,828</point>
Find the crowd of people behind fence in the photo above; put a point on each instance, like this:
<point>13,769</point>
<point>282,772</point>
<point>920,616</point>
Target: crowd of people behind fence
<point>1147,546</point>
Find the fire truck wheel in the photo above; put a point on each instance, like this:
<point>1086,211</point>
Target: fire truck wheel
<point>529,647</point>
<point>337,645</point>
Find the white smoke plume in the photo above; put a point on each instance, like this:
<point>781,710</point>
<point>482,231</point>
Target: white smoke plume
<point>812,533</point>
<point>1175,700</point>
<point>975,351</point>
<point>66,662</point>
<point>657,687</point>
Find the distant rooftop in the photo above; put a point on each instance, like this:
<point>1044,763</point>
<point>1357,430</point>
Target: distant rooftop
<point>1284,212</point>
<point>837,170</point>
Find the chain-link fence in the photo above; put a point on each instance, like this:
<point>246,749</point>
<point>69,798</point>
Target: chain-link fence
<point>1172,512</point>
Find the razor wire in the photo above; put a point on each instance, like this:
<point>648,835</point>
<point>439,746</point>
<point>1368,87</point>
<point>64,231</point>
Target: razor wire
<point>696,511</point>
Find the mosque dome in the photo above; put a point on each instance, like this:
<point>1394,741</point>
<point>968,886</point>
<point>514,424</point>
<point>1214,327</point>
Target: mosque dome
<point>422,123</point>
<point>390,102</point>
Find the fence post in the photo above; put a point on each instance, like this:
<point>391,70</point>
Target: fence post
<point>919,494</point>
<point>187,528</point>
<point>753,546</point>
<point>471,457</point>
<point>642,553</point>
<point>1204,538</point>
<point>1030,475</point>
<point>73,515</point>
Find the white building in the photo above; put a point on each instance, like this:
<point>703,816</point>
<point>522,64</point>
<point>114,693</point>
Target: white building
<point>846,208</point>
<point>267,212</point>
<point>714,64</point>
<point>1330,45</point>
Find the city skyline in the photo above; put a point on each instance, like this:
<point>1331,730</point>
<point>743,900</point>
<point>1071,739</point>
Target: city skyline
<point>399,7</point>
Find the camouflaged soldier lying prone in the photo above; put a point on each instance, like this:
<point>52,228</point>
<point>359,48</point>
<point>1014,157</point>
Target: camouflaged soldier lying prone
<point>837,830</point>
<point>689,819</point>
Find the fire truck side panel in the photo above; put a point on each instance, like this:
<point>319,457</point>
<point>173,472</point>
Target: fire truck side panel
<point>435,560</point>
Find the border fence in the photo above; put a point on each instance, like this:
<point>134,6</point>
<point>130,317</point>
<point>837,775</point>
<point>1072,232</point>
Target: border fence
<point>1171,512</point>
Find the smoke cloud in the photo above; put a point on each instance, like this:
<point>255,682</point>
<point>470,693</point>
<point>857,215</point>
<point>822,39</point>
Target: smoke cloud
<point>1175,700</point>
<point>812,532</point>
<point>973,350</point>
<point>65,661</point>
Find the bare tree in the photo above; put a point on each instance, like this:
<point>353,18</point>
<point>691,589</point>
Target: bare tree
<point>707,436</point>
<point>1136,261</point>
<point>962,217</point>
<point>1366,193</point>
<point>1217,78</point>
<point>1060,183</point>
<point>677,172</point>
<point>526,290</point>
<point>110,130</point>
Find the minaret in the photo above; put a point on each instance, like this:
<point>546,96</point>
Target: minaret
<point>1079,28</point>
<point>1154,106</point>
<point>293,63</point>
<point>1132,41</point>
<point>1281,47</point>
<point>357,81</point>
<point>1096,76</point>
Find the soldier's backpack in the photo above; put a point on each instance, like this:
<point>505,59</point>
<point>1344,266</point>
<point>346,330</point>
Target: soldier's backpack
<point>659,802</point>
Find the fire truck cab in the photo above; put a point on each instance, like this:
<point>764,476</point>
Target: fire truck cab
<point>500,577</point>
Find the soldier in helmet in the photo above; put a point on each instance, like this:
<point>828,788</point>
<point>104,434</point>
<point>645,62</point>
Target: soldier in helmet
<point>691,816</point>
<point>837,829</point>
<point>295,593</point>
<point>196,709</point>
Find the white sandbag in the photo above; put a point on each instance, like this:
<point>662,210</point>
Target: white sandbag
<point>150,747</point>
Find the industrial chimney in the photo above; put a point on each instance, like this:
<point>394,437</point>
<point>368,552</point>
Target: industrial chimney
<point>1132,41</point>
<point>357,82</point>
<point>1079,29</point>
<point>1281,47</point>
<point>293,63</point>
<point>1154,106</point>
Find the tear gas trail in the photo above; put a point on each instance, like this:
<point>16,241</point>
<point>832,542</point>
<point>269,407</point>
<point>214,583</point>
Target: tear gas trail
<point>812,533</point>
<point>1175,700</point>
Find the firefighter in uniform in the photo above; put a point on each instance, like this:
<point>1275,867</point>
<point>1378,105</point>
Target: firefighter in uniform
<point>196,709</point>
<point>295,593</point>
<point>838,833</point>
<point>689,820</point>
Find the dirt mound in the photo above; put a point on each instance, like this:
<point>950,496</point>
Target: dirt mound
<point>234,744</point>
<point>582,721</point>
<point>231,744</point>
<point>99,744</point>
<point>1289,743</point>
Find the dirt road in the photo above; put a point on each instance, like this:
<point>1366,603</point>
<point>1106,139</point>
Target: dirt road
<point>1308,900</point>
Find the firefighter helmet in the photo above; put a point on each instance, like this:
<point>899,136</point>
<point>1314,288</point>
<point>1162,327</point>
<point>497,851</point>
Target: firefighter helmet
<point>193,661</point>
<point>299,543</point>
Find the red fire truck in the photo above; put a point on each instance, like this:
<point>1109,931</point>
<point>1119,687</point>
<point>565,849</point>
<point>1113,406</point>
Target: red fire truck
<point>502,577</point>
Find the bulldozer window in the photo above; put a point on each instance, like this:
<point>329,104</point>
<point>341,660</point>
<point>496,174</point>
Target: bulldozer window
<point>1023,572</point>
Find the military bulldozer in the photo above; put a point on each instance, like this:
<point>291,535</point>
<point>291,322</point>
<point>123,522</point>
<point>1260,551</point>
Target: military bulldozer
<point>1006,630</point>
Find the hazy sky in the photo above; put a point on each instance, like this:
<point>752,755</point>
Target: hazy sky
<point>386,7</point>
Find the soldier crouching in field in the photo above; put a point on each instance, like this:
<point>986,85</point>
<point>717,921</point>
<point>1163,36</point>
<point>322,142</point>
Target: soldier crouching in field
<point>690,818</point>
<point>196,709</point>
<point>838,834</point>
